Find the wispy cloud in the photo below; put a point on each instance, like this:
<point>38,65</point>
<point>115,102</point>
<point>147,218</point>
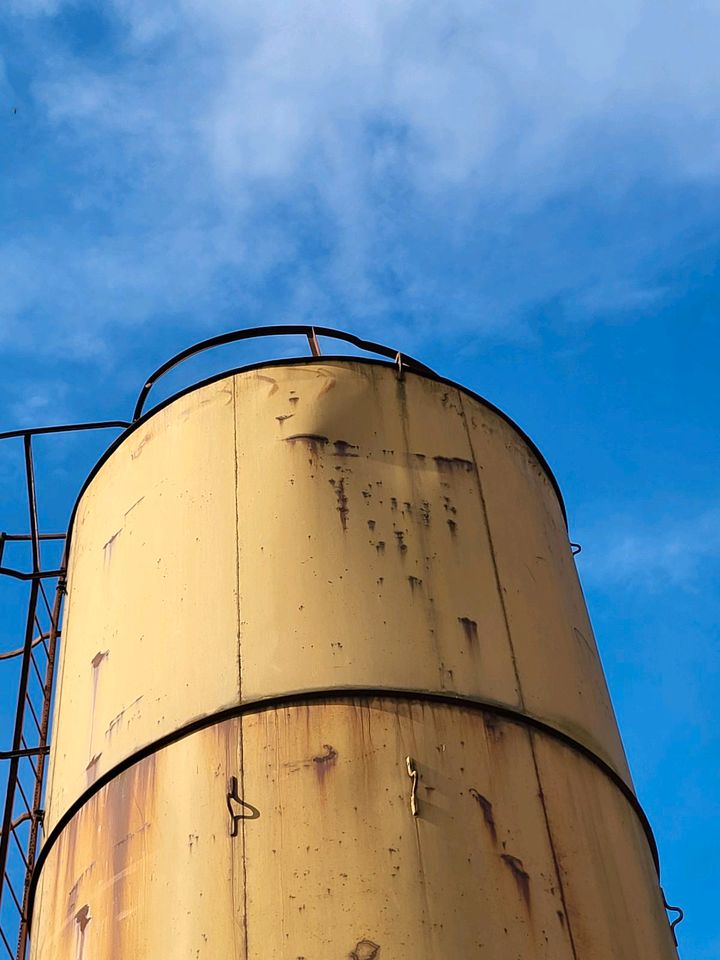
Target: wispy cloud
<point>667,553</point>
<point>388,162</point>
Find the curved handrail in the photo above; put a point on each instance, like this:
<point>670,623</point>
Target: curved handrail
<point>286,329</point>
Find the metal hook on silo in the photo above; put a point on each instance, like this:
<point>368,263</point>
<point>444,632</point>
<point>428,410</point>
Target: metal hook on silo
<point>678,919</point>
<point>232,795</point>
<point>413,774</point>
<point>400,367</point>
<point>576,548</point>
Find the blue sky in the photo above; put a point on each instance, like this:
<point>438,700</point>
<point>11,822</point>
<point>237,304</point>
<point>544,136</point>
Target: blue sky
<point>524,195</point>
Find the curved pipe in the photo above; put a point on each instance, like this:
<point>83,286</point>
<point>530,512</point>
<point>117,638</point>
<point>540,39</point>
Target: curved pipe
<point>277,330</point>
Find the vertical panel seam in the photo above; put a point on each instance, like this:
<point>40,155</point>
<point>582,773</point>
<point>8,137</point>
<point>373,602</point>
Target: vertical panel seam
<point>551,841</point>
<point>243,823</point>
<point>498,583</point>
<point>237,540</point>
<point>493,556</point>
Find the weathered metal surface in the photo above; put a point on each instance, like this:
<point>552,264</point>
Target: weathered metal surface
<point>312,527</point>
<point>520,847</point>
<point>320,527</point>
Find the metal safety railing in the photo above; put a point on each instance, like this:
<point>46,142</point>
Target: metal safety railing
<point>22,816</point>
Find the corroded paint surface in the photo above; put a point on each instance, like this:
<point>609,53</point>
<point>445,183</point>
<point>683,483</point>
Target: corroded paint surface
<point>317,528</point>
<point>314,527</point>
<point>521,848</point>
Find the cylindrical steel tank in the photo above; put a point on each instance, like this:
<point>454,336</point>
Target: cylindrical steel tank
<point>329,690</point>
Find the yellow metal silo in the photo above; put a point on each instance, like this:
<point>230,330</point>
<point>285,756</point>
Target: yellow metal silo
<point>329,690</point>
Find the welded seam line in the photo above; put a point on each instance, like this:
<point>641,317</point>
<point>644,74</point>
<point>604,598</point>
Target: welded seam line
<point>551,841</point>
<point>498,582</point>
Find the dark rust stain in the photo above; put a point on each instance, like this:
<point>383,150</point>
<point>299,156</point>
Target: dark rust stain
<point>365,950</point>
<point>492,726</point>
<point>400,537</point>
<point>420,456</point>
<point>425,513</point>
<point>414,582</point>
<point>487,812</point>
<point>342,507</point>
<point>82,917</point>
<point>408,507</point>
<point>324,761</point>
<point>138,449</point>
<point>286,416</point>
<point>469,629</point>
<point>393,503</point>
<point>313,440</point>
<point>111,541</point>
<point>448,463</point>
<point>522,877</point>
<point>330,755</point>
<point>380,546</point>
<point>371,524</point>
<point>561,917</point>
<point>452,526</point>
<point>343,448</point>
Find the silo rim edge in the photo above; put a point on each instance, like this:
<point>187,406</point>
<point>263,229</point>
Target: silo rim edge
<point>314,361</point>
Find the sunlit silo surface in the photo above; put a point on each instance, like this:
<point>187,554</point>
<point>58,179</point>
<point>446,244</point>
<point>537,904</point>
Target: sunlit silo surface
<point>329,690</point>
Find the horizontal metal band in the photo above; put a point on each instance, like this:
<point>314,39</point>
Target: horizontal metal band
<point>333,696</point>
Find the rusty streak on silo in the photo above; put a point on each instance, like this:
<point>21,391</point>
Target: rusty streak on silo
<point>329,690</point>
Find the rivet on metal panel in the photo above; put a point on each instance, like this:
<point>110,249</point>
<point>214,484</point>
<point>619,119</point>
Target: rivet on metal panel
<point>413,774</point>
<point>678,919</point>
<point>232,796</point>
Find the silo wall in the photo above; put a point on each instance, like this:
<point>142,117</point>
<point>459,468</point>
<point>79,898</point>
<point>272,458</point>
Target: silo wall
<point>329,690</point>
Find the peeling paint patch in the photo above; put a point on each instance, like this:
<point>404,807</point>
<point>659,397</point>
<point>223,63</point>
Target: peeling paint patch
<point>449,463</point>
<point>365,950</point>
<point>343,448</point>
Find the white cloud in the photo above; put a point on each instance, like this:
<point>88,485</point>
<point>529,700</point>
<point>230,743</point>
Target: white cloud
<point>671,552</point>
<point>366,161</point>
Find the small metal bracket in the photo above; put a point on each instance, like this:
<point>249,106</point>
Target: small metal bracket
<point>414,776</point>
<point>313,342</point>
<point>678,919</point>
<point>233,796</point>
